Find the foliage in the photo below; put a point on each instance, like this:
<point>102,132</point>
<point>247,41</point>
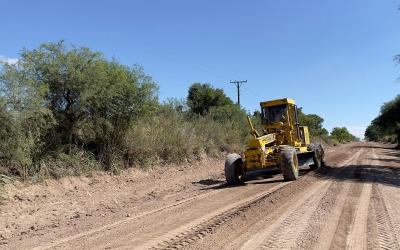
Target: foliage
<point>387,123</point>
<point>202,97</point>
<point>92,101</point>
<point>313,122</point>
<point>24,120</point>
<point>59,99</point>
<point>319,134</point>
<point>342,135</point>
<point>69,110</point>
<point>174,136</point>
<point>60,164</point>
<point>373,132</point>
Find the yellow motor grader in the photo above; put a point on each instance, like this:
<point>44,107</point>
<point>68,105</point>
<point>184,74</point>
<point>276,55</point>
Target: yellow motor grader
<point>283,144</point>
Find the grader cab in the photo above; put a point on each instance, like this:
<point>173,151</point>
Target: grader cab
<point>283,143</point>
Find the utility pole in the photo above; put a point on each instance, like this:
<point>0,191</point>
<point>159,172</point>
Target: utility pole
<point>238,84</point>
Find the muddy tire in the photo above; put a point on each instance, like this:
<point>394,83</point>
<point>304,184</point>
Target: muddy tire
<point>234,169</point>
<point>318,156</point>
<point>289,164</point>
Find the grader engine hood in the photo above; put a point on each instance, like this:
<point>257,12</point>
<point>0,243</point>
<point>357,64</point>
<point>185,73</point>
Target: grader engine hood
<point>257,150</point>
<point>261,142</point>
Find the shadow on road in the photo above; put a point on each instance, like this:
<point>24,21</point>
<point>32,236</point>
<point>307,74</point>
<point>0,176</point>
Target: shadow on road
<point>380,174</point>
<point>382,146</point>
<point>387,160</point>
<point>392,153</point>
<point>263,176</point>
<point>208,182</point>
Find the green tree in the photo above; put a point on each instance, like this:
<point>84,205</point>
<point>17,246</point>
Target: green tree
<point>388,121</point>
<point>313,122</point>
<point>93,100</point>
<point>24,119</point>
<point>202,97</point>
<point>373,132</point>
<point>342,135</point>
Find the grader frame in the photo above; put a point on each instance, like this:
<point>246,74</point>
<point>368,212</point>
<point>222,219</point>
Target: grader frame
<point>283,144</point>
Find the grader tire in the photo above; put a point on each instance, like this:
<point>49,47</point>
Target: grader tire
<point>233,169</point>
<point>289,164</point>
<point>318,157</point>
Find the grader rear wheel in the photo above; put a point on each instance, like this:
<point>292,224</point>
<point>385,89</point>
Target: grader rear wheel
<point>289,164</point>
<point>233,169</point>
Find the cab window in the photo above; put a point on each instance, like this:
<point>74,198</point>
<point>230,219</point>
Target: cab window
<point>274,114</point>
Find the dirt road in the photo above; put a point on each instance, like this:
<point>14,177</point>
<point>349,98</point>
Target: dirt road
<point>354,203</point>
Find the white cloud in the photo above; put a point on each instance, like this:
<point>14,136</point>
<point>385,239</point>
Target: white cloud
<point>4,59</point>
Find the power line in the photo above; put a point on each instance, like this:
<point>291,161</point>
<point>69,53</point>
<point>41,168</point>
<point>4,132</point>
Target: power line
<point>238,85</point>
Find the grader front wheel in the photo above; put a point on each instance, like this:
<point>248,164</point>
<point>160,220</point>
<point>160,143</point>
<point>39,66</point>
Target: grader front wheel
<point>289,164</point>
<point>233,169</point>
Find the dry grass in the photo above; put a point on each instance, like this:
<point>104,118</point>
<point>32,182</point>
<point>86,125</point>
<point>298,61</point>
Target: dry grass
<point>173,139</point>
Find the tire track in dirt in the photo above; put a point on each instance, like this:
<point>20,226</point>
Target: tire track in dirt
<point>393,205</point>
<point>127,220</point>
<point>385,229</point>
<point>120,231</point>
<point>357,237</point>
<point>326,213</point>
<point>360,229</point>
<point>198,229</point>
<point>323,224</point>
<point>345,222</point>
<point>286,232</point>
<point>323,238</point>
<point>335,226</point>
<point>291,228</point>
<point>184,234</point>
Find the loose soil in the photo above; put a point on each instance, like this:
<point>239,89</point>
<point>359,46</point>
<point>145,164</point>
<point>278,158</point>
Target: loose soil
<point>352,202</point>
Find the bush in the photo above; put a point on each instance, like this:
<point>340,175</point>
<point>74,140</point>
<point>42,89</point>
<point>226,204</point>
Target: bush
<point>202,97</point>
<point>314,124</point>
<point>68,111</point>
<point>24,121</point>
<point>172,136</point>
<point>163,138</point>
<point>387,124</point>
<point>342,135</point>
<point>58,98</point>
<point>59,164</point>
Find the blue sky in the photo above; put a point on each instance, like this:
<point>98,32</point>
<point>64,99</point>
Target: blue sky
<point>334,57</point>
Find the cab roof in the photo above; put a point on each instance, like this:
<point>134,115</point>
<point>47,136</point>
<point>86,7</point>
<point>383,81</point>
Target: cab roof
<point>277,102</point>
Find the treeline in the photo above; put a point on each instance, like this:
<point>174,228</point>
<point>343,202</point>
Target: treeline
<point>69,110</point>
<point>386,126</point>
<point>320,134</point>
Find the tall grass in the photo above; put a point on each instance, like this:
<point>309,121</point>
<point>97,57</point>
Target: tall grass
<point>170,137</point>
